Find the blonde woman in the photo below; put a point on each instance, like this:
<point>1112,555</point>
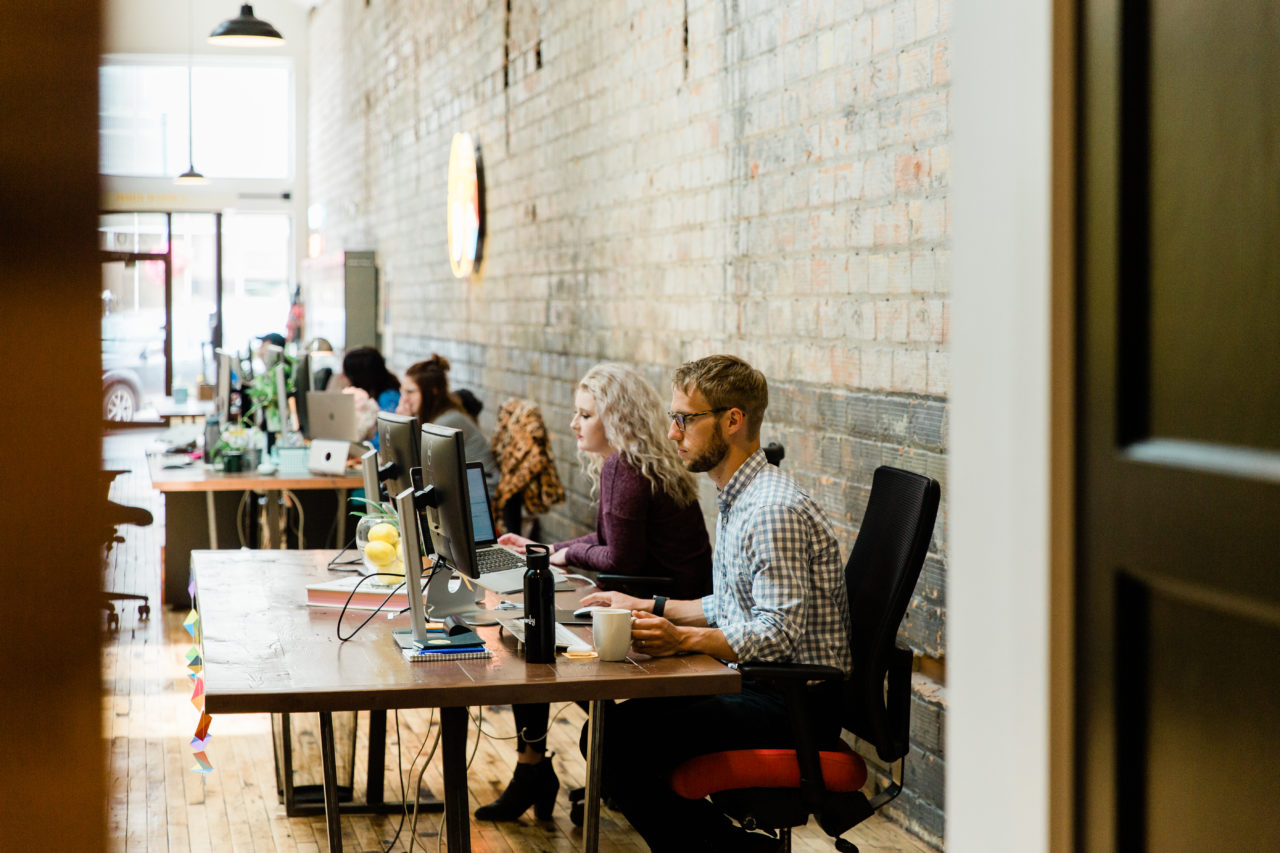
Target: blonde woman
<point>648,523</point>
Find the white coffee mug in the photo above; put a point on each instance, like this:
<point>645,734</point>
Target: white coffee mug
<point>611,631</point>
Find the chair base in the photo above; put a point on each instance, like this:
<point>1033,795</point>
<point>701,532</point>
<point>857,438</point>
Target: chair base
<point>784,808</point>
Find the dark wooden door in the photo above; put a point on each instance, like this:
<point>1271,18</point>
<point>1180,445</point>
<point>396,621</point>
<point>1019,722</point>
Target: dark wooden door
<point>1178,607</point>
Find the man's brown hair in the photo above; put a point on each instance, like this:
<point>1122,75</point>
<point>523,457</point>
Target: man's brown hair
<point>727,382</point>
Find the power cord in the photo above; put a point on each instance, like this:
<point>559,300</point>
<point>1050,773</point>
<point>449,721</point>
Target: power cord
<point>335,563</point>
<point>376,610</point>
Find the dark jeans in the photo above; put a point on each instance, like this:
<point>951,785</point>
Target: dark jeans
<point>645,739</point>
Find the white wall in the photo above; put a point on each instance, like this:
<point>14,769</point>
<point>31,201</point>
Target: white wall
<point>161,27</point>
<point>998,624</point>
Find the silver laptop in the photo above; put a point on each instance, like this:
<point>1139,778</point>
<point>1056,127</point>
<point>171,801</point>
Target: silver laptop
<point>501,569</point>
<point>331,414</point>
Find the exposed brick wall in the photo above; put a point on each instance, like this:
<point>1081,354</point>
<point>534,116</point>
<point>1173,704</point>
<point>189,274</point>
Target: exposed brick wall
<point>772,184</point>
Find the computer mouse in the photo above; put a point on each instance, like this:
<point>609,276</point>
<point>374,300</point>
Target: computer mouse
<point>266,468</point>
<point>587,611</point>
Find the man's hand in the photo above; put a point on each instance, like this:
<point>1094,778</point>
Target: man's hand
<point>559,558</point>
<point>654,635</point>
<point>616,599</point>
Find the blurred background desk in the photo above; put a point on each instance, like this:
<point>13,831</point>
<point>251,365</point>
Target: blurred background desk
<point>204,508</point>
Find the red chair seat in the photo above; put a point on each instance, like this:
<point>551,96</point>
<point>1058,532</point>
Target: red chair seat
<point>699,777</point>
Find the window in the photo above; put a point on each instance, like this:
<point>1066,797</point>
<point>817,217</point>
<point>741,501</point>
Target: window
<point>242,118</point>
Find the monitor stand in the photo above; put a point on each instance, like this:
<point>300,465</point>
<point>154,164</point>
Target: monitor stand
<point>448,595</point>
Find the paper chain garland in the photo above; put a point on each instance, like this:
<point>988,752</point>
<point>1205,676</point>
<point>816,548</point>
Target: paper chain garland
<point>195,663</point>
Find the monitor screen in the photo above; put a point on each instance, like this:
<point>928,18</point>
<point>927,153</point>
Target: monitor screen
<point>449,511</point>
<point>481,517</point>
<point>397,450</point>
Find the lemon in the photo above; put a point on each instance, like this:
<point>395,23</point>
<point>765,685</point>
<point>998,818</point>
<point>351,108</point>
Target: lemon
<point>384,532</point>
<point>380,553</point>
<point>396,568</point>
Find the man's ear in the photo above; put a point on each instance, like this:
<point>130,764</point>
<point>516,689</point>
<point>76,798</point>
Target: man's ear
<point>736,422</point>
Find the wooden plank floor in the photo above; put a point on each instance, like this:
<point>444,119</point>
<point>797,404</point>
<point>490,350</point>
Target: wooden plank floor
<point>158,803</point>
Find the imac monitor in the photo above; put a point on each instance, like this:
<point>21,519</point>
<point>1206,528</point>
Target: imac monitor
<point>397,450</point>
<point>412,554</point>
<point>222,396</point>
<point>282,397</point>
<point>301,385</point>
<point>449,511</point>
<point>369,473</point>
<point>445,595</point>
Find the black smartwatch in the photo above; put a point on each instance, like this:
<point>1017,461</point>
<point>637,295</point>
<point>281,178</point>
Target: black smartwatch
<point>659,604</point>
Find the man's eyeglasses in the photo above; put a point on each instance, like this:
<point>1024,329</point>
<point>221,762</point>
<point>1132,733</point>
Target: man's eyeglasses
<point>681,420</point>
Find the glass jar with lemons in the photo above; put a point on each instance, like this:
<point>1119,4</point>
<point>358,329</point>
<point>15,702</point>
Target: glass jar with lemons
<point>378,540</point>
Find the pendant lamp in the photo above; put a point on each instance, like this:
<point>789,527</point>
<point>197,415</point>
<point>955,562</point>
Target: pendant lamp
<point>245,30</point>
<point>190,177</point>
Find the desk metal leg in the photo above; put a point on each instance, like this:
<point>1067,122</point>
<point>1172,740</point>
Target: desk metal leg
<point>457,810</point>
<point>595,751</point>
<point>377,758</point>
<point>332,818</point>
<point>212,515</point>
<point>342,518</point>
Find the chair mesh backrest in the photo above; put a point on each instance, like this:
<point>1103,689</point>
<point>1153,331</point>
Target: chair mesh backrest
<point>881,575</point>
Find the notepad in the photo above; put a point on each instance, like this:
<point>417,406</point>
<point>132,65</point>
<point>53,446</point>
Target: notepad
<point>440,655</point>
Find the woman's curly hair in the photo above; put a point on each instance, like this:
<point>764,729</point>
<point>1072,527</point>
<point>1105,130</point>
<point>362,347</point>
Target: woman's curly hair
<point>632,415</point>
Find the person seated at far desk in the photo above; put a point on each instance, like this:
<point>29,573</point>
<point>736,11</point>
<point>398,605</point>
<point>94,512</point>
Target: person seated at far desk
<point>648,523</point>
<point>425,394</point>
<point>376,389</point>
<point>779,596</point>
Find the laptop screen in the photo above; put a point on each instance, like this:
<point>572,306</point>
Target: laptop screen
<point>481,517</point>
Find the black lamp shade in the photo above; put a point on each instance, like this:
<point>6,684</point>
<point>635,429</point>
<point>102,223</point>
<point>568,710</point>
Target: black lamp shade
<point>245,30</point>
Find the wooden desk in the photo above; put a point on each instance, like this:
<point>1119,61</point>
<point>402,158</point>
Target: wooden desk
<point>270,652</point>
<point>167,409</point>
<point>197,491</point>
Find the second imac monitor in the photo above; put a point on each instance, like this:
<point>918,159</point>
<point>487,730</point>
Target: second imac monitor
<point>397,450</point>
<point>448,512</point>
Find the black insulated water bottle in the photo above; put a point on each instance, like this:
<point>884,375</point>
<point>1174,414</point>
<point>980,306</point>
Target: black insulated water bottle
<point>539,606</point>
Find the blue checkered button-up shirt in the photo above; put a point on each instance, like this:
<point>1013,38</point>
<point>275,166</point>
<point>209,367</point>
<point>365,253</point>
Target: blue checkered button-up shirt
<point>779,593</point>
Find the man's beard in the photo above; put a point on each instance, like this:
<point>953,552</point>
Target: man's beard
<point>714,453</point>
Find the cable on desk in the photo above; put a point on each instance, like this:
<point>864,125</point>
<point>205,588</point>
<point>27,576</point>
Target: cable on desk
<point>334,563</point>
<point>375,612</point>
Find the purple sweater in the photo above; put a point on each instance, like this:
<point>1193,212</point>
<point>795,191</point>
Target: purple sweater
<point>639,532</point>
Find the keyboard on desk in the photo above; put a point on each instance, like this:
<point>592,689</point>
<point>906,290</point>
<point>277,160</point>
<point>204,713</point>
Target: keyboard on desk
<point>497,559</point>
<point>564,636</point>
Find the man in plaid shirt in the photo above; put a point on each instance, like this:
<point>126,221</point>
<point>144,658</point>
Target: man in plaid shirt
<point>779,596</point>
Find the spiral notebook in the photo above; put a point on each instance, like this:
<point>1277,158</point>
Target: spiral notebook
<point>440,655</point>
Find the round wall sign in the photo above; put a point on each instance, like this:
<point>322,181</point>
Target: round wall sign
<point>466,206</point>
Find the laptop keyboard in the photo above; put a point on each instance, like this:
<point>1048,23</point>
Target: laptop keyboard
<point>564,636</point>
<point>497,560</point>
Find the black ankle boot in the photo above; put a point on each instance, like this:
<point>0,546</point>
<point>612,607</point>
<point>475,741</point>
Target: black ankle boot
<point>532,785</point>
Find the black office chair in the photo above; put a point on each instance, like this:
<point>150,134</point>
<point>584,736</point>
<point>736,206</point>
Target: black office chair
<point>647,586</point>
<point>775,789</point>
<point>116,515</point>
